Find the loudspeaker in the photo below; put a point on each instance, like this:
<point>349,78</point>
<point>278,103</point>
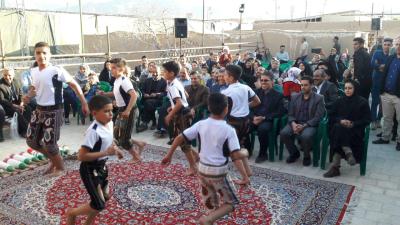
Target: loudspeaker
<point>181,28</point>
<point>376,24</point>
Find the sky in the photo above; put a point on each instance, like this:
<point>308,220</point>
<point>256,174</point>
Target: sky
<point>214,9</point>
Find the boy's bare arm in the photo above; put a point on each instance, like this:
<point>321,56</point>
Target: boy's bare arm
<point>174,110</point>
<point>236,158</point>
<point>85,155</point>
<point>255,101</point>
<point>177,142</point>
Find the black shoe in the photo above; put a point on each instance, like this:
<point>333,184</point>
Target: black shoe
<point>83,121</point>
<point>398,146</point>
<point>142,127</point>
<point>67,121</point>
<point>170,142</point>
<point>379,135</point>
<point>307,161</point>
<point>261,159</point>
<point>160,134</point>
<point>293,158</point>
<point>380,141</point>
<point>333,172</point>
<point>153,126</point>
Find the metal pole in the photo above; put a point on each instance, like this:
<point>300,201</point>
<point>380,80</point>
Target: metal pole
<point>180,46</point>
<point>202,37</point>
<point>82,40</point>
<point>2,50</point>
<point>240,34</point>
<point>108,43</point>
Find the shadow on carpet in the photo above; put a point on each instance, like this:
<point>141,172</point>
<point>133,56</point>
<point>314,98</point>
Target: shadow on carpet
<point>149,193</point>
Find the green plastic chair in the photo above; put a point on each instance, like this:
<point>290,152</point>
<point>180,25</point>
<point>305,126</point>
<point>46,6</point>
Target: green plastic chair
<point>363,163</point>
<point>278,88</point>
<point>201,113</point>
<point>317,140</point>
<point>272,136</point>
<point>286,66</point>
<point>104,86</point>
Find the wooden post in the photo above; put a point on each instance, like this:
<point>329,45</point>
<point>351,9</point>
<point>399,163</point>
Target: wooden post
<point>108,44</point>
<point>2,50</point>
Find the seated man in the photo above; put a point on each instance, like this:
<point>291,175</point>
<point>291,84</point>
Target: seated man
<point>198,95</point>
<point>11,100</point>
<point>153,91</point>
<point>306,110</point>
<point>221,84</point>
<point>325,88</point>
<point>271,107</point>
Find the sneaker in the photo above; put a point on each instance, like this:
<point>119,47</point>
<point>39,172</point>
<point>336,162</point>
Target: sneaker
<point>333,172</point>
<point>293,158</point>
<point>350,159</point>
<point>398,146</point>
<point>261,158</point>
<point>67,121</point>
<point>380,141</point>
<point>307,161</point>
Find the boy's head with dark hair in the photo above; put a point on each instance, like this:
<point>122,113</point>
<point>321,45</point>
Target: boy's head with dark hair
<point>171,70</point>
<point>101,108</point>
<point>218,104</point>
<point>336,38</point>
<point>232,73</point>
<point>117,66</point>
<point>42,54</point>
<point>144,57</point>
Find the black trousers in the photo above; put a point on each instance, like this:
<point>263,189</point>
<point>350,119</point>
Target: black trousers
<point>263,130</point>
<point>150,106</point>
<point>94,177</point>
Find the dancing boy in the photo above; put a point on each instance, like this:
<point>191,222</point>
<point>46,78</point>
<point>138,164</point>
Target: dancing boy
<point>47,87</point>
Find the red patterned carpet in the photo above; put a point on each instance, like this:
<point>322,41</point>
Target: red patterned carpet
<point>148,193</point>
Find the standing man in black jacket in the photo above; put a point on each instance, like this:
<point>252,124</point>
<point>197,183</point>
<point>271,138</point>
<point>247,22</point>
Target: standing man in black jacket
<point>362,67</point>
<point>390,96</point>
<point>271,107</point>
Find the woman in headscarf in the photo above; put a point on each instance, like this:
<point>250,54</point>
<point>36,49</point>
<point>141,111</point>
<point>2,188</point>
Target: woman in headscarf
<point>291,83</point>
<point>350,115</point>
<point>82,76</point>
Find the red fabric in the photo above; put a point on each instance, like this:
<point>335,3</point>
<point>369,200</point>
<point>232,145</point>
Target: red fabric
<point>223,61</point>
<point>290,87</point>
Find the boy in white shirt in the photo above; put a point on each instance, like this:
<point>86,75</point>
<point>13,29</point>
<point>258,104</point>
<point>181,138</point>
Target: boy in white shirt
<point>217,143</point>
<point>240,99</point>
<point>125,98</point>
<point>93,154</point>
<point>47,87</point>
<point>179,112</point>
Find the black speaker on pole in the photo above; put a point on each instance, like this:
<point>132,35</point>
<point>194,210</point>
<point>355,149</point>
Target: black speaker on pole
<point>376,24</point>
<point>181,28</point>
